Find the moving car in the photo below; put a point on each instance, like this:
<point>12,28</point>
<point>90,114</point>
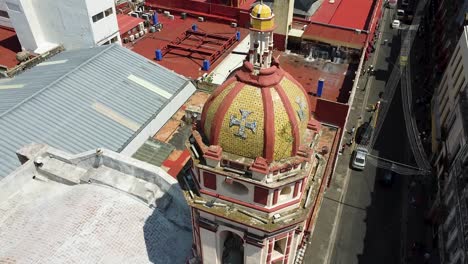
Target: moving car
<point>359,158</point>
<point>396,23</point>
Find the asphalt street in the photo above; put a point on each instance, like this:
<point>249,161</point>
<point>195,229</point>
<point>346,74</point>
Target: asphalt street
<point>360,220</point>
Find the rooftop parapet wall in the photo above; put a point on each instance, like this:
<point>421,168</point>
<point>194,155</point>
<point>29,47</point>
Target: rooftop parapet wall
<point>35,157</point>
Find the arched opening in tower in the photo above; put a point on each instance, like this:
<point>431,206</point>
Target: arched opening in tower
<point>233,248</point>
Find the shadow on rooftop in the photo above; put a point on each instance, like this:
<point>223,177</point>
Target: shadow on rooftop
<point>168,231</point>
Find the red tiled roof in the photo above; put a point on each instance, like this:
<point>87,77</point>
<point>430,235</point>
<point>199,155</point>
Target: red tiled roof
<point>126,23</point>
<point>335,36</point>
<point>345,13</point>
<point>9,46</point>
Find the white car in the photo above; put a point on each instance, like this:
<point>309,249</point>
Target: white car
<point>359,158</point>
<point>396,23</point>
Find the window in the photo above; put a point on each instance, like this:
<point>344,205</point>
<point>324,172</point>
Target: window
<point>280,245</point>
<point>4,14</point>
<point>209,180</point>
<point>285,193</point>
<point>236,188</point>
<point>98,17</point>
<point>260,195</point>
<point>108,12</point>
<point>296,188</point>
<point>454,57</point>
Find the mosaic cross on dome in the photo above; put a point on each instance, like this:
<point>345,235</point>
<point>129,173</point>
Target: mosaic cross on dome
<point>262,111</point>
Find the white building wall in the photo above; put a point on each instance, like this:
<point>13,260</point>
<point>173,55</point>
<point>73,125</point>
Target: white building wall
<point>254,255</point>
<point>65,22</point>
<point>26,23</point>
<point>208,239</point>
<point>4,17</point>
<point>106,28</point>
<point>41,25</point>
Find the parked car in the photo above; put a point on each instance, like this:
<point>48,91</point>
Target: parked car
<point>396,24</point>
<point>359,158</point>
<point>364,134</point>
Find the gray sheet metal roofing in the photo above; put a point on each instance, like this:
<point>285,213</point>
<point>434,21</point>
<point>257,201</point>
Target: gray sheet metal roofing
<point>82,99</point>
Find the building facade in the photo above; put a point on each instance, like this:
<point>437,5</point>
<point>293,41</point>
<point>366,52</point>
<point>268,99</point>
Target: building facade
<point>445,110</point>
<point>450,156</point>
<point>452,199</point>
<point>74,24</point>
<point>250,187</point>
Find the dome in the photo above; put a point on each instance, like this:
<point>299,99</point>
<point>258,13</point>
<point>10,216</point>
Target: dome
<point>262,18</point>
<point>263,115</point>
<point>261,11</point>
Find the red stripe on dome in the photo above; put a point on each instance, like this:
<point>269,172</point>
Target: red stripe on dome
<point>212,97</point>
<point>298,84</point>
<point>292,117</point>
<point>269,123</point>
<point>219,116</point>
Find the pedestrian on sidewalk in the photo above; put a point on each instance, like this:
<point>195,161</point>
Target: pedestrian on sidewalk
<point>342,149</point>
<point>351,132</point>
<point>385,41</point>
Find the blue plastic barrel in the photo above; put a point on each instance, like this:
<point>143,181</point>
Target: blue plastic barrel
<point>158,55</point>
<point>155,18</point>
<point>321,82</point>
<point>238,37</point>
<point>206,65</point>
<point>194,27</point>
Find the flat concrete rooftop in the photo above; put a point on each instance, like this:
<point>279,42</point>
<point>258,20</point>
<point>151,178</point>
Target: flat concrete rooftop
<point>91,208</point>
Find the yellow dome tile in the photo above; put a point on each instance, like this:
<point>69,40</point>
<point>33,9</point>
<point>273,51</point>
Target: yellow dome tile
<point>211,111</point>
<point>242,129</point>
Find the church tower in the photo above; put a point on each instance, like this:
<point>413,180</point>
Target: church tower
<point>252,156</point>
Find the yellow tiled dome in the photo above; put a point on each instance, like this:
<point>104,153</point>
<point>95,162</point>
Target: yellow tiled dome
<point>262,18</point>
<point>257,120</point>
<point>261,11</point>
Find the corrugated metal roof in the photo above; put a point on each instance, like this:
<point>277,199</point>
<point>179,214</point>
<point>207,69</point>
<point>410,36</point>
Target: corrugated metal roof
<point>154,152</point>
<point>82,99</point>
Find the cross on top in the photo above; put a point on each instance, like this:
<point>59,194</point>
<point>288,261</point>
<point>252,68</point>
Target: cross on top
<point>302,106</point>
<point>243,123</point>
